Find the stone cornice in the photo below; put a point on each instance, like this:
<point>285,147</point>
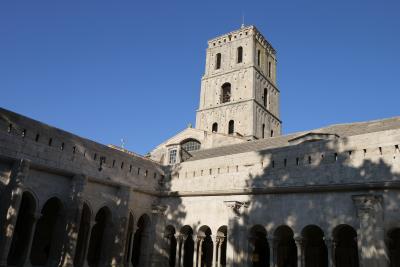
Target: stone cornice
<point>349,187</point>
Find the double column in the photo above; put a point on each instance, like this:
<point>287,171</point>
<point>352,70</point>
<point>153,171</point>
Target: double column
<point>9,206</point>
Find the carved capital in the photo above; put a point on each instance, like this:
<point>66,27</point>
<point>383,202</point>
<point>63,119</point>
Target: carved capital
<point>366,204</point>
<point>236,206</point>
<point>158,209</point>
<point>21,170</point>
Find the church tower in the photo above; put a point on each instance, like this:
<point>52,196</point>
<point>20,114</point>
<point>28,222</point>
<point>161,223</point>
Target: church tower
<point>239,95</point>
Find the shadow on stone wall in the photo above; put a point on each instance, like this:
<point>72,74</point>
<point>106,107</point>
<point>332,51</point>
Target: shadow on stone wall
<point>300,198</point>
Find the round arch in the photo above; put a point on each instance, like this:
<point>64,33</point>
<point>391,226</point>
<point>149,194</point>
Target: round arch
<point>315,250</point>
<point>286,250</point>
<point>259,246</point>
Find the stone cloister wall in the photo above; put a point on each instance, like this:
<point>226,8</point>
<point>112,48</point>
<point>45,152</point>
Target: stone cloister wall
<point>49,164</point>
<point>351,181</point>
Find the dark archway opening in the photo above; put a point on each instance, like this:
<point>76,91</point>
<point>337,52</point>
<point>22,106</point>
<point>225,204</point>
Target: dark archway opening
<point>45,244</point>
<point>140,241</point>
<point>23,230</point>
<point>206,254</point>
<point>259,247</point>
<point>315,251</point>
<point>83,234</point>
<point>215,127</point>
<point>171,245</point>
<point>231,127</point>
<point>346,251</point>
<point>222,242</point>
<point>286,251</point>
<point>394,247</point>
<point>226,93</point>
<point>97,237</point>
<point>187,247</point>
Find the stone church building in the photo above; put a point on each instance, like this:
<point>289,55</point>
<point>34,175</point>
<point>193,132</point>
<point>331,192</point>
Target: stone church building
<point>232,191</point>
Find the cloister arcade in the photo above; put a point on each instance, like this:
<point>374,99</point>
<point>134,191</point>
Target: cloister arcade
<point>38,237</point>
<point>36,241</point>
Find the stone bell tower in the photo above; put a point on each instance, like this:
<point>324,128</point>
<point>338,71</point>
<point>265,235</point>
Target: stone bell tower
<point>239,94</point>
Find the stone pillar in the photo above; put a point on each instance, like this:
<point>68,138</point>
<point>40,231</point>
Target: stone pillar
<point>158,253</point>
<point>237,232</point>
<point>200,254</point>
<point>300,250</point>
<point>214,255</point>
<point>35,218</point>
<point>9,206</point>
<point>73,215</point>
<point>195,254</point>
<point>329,246</point>
<point>120,227</point>
<point>371,241</point>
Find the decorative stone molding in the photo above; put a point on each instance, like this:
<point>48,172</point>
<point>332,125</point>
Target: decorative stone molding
<point>366,204</point>
<point>157,208</point>
<point>237,206</point>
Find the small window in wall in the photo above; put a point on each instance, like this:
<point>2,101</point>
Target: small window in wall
<point>265,97</point>
<point>218,61</point>
<point>190,145</point>
<point>272,133</point>
<point>259,57</point>
<point>172,156</point>
<point>226,93</point>
<point>231,127</point>
<point>269,69</point>
<point>263,131</point>
<point>215,127</point>
<point>239,54</point>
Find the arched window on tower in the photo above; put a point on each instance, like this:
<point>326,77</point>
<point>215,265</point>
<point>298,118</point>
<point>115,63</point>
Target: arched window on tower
<point>266,97</point>
<point>239,54</point>
<point>226,93</point>
<point>231,127</point>
<point>215,127</point>
<point>218,61</point>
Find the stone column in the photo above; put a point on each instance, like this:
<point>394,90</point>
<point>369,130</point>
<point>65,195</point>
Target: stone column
<point>85,255</point>
<point>220,243</point>
<point>35,217</point>
<point>300,250</point>
<point>329,246</point>
<point>214,255</point>
<point>184,238</point>
<point>371,241</point>
<point>9,206</point>
<point>73,215</point>
<point>158,254</point>
<point>195,254</point>
<point>200,254</point>
<point>236,236</point>
<point>179,249</point>
<point>272,242</point>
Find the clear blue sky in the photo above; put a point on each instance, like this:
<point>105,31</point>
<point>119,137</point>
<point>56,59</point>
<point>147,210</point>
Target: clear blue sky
<point>111,69</point>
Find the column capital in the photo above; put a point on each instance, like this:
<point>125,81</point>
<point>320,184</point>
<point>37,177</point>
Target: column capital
<point>366,203</point>
<point>158,209</point>
<point>237,206</point>
<point>20,170</point>
<point>299,240</point>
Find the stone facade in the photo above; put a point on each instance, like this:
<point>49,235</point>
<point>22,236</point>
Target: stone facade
<point>204,198</point>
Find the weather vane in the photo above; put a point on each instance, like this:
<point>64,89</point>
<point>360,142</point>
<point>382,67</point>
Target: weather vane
<point>242,21</point>
<point>122,143</point>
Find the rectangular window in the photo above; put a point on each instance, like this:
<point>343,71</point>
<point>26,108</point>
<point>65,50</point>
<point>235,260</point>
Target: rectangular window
<point>269,69</point>
<point>218,61</point>
<point>258,57</point>
<point>172,156</point>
